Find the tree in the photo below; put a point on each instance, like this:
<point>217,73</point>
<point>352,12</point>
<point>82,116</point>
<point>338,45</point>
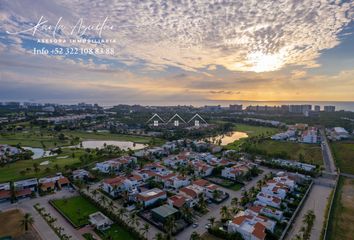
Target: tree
<point>234,202</point>
<point>26,221</point>
<point>224,212</point>
<point>216,194</point>
<point>170,225</point>
<point>159,236</point>
<point>212,221</point>
<point>195,236</point>
<point>145,229</point>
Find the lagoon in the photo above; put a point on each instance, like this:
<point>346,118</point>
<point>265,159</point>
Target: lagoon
<point>228,138</point>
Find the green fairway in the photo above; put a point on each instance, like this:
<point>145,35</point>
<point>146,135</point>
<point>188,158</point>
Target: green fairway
<point>344,156</point>
<point>311,153</point>
<point>256,130</point>
<point>341,220</point>
<point>50,139</point>
<point>77,209</point>
<point>25,168</point>
<point>116,233</point>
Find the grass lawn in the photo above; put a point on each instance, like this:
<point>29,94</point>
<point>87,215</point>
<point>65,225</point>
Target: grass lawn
<point>12,171</point>
<point>252,131</point>
<point>341,225</point>
<point>10,222</point>
<point>115,233</point>
<point>312,153</point>
<point>77,209</point>
<point>344,155</point>
<point>256,130</point>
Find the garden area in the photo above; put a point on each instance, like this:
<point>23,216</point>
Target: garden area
<point>75,209</point>
<point>225,183</point>
<point>344,156</point>
<point>342,214</point>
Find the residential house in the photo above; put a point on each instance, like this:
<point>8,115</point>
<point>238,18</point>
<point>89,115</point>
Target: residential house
<point>192,193</point>
<point>115,186</point>
<point>266,211</point>
<point>267,199</point>
<point>80,174</point>
<point>250,227</point>
<point>151,196</point>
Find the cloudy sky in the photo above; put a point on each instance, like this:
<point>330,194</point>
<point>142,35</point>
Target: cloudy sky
<point>178,51</point>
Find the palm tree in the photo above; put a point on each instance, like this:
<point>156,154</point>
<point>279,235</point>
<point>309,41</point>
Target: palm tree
<point>216,194</point>
<point>170,225</point>
<point>122,211</point>
<point>26,221</point>
<point>234,202</point>
<point>145,229</point>
<point>224,212</point>
<point>94,193</point>
<point>186,213</point>
<point>103,199</point>
<point>212,221</point>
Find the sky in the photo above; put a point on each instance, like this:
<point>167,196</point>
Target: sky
<point>177,51</point>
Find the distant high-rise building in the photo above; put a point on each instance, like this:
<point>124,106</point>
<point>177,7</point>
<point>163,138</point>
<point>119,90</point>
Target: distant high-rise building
<point>305,109</point>
<point>235,107</point>
<point>329,108</point>
<point>317,108</point>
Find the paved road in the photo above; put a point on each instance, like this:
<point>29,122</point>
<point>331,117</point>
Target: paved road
<point>327,155</point>
<point>316,201</point>
<point>347,175</point>
<point>214,209</point>
<point>43,229</point>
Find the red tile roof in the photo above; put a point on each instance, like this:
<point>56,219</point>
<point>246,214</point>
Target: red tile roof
<point>259,231</point>
<point>5,194</point>
<point>63,180</point>
<point>189,192</point>
<point>256,209</point>
<point>201,182</point>
<point>238,220</point>
<point>23,192</point>
<point>115,181</point>
<point>178,200</point>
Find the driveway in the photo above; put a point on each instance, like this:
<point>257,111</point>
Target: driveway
<point>316,201</point>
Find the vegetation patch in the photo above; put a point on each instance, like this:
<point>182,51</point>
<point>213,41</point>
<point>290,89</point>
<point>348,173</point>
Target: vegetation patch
<point>76,209</point>
<point>115,232</point>
<point>342,215</point>
<point>344,156</point>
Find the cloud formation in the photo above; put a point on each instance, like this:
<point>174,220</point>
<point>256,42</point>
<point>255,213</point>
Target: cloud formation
<point>239,35</point>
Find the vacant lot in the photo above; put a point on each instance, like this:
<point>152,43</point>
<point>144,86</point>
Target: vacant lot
<point>77,209</point>
<point>10,222</point>
<point>311,153</point>
<point>341,225</point>
<point>344,156</point>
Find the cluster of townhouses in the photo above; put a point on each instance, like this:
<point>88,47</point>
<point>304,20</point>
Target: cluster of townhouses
<point>173,191</point>
<point>299,132</point>
<point>294,164</point>
<point>265,210</point>
<point>28,187</point>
